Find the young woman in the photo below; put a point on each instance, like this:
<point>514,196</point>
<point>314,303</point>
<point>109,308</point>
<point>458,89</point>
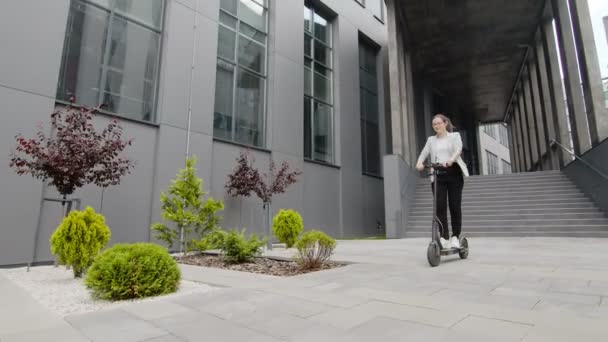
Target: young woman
<point>445,147</point>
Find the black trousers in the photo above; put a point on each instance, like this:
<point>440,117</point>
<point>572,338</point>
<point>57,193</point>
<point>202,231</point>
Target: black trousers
<point>449,190</point>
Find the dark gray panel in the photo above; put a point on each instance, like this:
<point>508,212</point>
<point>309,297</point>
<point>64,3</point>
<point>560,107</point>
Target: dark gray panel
<point>322,199</point>
<point>32,52</point>
<point>591,183</point>
<point>20,198</point>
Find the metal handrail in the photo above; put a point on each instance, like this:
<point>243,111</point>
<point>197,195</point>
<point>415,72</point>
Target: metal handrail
<point>603,175</point>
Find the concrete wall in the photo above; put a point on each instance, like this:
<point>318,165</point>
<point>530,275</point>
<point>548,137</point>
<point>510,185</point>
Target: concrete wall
<point>488,143</point>
<point>338,199</point>
<point>399,190</point>
<point>591,183</point>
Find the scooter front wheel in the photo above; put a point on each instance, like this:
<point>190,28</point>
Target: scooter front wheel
<point>433,254</point>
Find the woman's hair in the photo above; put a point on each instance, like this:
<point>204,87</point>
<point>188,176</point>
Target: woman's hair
<point>449,126</point>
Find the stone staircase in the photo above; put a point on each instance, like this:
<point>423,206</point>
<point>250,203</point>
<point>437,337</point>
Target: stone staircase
<point>522,204</point>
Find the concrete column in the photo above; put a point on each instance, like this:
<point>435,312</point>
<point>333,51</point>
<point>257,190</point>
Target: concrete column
<point>516,134</point>
<point>404,97</point>
<point>589,66</point>
<point>546,101</point>
<point>556,90</point>
<point>513,148</point>
<point>535,92</point>
<point>395,43</point>
<point>523,131</point>
<point>572,81</point>
<point>529,113</point>
<point>411,112</point>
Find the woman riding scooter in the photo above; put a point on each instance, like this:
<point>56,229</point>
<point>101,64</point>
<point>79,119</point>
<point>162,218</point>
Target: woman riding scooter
<point>445,148</point>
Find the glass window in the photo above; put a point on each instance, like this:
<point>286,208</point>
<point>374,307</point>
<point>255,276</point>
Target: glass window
<point>503,135</point>
<point>111,59</point>
<point>318,85</point>
<point>249,107</point>
<point>370,130</point>
<point>506,167</point>
<point>492,161</point>
<point>148,12</point>
<point>240,90</point>
<point>222,119</point>
<point>489,130</point>
<point>598,12</point>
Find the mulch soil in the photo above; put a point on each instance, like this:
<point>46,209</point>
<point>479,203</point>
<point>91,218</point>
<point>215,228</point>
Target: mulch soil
<point>261,265</point>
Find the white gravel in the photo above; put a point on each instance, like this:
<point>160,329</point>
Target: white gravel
<point>56,289</point>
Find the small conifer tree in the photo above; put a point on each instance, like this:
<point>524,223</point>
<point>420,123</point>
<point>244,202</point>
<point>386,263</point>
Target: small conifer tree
<point>184,205</point>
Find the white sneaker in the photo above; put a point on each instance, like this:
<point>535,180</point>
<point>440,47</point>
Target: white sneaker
<point>455,242</point>
<point>445,244</point>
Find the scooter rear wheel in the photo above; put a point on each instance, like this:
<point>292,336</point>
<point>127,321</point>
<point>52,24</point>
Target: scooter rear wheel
<point>433,254</point>
<point>464,248</point>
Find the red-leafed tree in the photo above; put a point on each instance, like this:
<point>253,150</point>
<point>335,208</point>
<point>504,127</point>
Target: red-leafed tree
<point>246,179</point>
<point>75,154</point>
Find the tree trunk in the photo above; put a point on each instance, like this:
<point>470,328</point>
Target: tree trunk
<point>268,226</point>
<point>181,240</point>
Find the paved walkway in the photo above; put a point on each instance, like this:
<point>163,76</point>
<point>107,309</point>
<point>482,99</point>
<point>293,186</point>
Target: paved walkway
<point>508,290</point>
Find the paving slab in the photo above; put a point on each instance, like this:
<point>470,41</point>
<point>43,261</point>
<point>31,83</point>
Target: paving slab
<point>510,289</point>
<point>114,326</point>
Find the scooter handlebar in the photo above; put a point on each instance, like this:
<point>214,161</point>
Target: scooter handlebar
<point>434,166</point>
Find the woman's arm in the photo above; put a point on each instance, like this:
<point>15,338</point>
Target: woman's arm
<point>457,147</point>
<point>424,154</point>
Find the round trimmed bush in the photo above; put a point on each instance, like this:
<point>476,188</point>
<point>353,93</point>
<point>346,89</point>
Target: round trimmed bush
<point>314,249</point>
<point>127,271</point>
<point>79,238</point>
<point>286,226</point>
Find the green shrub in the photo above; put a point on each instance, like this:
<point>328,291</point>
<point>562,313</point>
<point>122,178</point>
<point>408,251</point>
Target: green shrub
<point>79,238</point>
<point>184,205</point>
<point>234,246</point>
<point>286,226</point>
<point>137,270</point>
<point>314,249</point>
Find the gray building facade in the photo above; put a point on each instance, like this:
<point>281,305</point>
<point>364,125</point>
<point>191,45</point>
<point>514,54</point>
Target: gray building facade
<point>291,80</point>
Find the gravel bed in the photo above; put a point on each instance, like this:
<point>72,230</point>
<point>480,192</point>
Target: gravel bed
<point>56,289</point>
<point>260,265</point>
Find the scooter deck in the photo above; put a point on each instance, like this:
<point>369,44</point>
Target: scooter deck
<point>450,251</point>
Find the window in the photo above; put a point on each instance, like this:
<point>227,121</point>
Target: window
<point>503,136</point>
<point>318,87</point>
<point>240,86</point>
<point>111,56</point>
<point>368,89</point>
<point>492,160</point>
<point>506,167</point>
<point>489,130</point>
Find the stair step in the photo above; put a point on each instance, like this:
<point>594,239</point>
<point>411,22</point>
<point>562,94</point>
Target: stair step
<point>501,216</point>
<point>517,205</point>
<point>519,201</point>
<point>509,206</point>
<point>518,212</point>
<point>507,190</point>
<point>496,184</point>
<point>603,222</point>
<point>569,234</point>
<point>507,196</point>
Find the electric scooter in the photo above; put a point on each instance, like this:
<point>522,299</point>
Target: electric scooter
<point>435,249</point>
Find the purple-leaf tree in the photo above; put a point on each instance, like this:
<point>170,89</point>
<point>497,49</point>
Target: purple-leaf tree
<point>75,154</point>
<point>246,179</point>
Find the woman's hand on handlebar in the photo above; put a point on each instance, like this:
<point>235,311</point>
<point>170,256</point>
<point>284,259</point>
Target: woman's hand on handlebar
<point>419,166</point>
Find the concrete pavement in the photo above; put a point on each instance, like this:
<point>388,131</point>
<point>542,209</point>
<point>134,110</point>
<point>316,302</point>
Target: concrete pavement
<point>510,289</point>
